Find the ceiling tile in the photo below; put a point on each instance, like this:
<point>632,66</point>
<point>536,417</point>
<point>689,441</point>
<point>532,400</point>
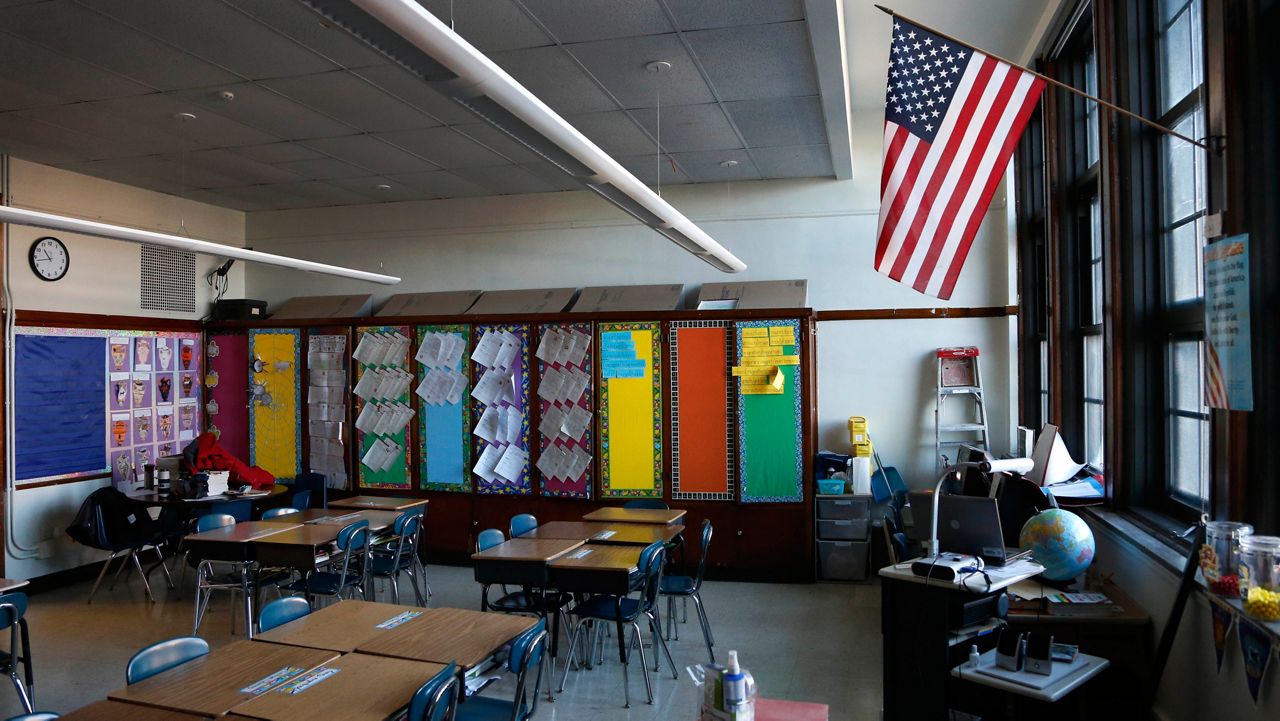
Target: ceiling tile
<point>556,79</point>
<point>574,21</point>
<point>312,193</point>
<point>165,174</point>
<point>440,184</point>
<point>70,80</point>
<point>367,187</point>
<point>779,121</point>
<point>689,127</point>
<point>805,161</point>
<point>499,142</point>
<point>506,180</point>
<point>18,96</point>
<point>704,14</point>
<point>277,152</point>
<point>614,131</point>
<point>217,33</point>
<point>220,199</point>
<point>413,90</point>
<point>620,66</point>
<point>490,25</point>
<point>82,33</point>
<point>553,176</point>
<point>372,154</point>
<point>445,148</point>
<point>112,135</point>
<point>238,168</point>
<point>323,169</point>
<point>266,110</point>
<point>351,100</point>
<point>645,167</point>
<point>43,143</point>
<point>306,27</point>
<point>156,113</point>
<point>706,166</point>
<point>759,61</point>
<point>261,197</point>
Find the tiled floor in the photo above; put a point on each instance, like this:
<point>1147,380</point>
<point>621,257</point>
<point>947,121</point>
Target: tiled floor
<point>806,642</point>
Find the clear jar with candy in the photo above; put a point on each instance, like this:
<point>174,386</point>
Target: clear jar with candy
<point>1260,577</point>
<point>1220,556</point>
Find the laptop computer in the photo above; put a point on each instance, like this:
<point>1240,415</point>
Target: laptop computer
<point>971,525</point>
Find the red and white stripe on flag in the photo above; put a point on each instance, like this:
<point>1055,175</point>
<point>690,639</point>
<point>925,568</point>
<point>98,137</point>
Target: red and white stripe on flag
<point>952,119</point>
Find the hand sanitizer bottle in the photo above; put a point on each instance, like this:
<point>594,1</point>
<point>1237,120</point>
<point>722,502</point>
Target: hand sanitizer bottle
<point>974,656</point>
<point>739,697</point>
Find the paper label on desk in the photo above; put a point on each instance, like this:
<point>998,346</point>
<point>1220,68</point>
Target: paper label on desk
<point>306,682</point>
<point>605,535</point>
<point>583,553</point>
<point>266,683</point>
<point>398,620</point>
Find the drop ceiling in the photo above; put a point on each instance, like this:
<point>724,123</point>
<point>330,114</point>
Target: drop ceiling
<point>292,113</point>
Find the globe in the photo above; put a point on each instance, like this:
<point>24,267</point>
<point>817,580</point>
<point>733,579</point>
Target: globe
<point>1061,541</point>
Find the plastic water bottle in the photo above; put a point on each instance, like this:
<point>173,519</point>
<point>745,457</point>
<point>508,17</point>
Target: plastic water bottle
<point>974,656</point>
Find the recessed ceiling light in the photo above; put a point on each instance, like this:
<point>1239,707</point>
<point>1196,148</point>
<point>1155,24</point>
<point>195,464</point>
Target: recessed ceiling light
<point>382,186</point>
<point>658,66</point>
<point>184,117</point>
<point>728,163</point>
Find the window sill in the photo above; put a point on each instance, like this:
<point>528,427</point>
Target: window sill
<point>1152,535</point>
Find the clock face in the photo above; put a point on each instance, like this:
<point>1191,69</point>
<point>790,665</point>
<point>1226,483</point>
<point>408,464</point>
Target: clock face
<point>49,259</point>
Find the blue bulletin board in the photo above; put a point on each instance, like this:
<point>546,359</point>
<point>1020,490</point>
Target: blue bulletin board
<point>60,405</point>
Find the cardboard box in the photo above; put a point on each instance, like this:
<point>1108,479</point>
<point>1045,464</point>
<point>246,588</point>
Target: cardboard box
<point>449,302</point>
<point>757,294</point>
<point>325,306</point>
<point>541,300</point>
<point>628,298</point>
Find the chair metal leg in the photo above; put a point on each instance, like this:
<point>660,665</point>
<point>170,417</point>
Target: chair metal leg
<point>120,568</point>
<point>101,573</point>
<point>417,592</point>
<point>395,588</point>
<point>143,575</point>
<point>644,664</point>
<point>573,649</point>
<point>656,625</point>
<point>22,690</point>
<point>706,626</point>
<point>165,567</point>
<point>653,630</point>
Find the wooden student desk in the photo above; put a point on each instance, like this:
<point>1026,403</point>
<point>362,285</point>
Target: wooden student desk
<point>296,547</point>
<point>120,711</point>
<point>340,627</point>
<point>615,514</point>
<point>618,534</point>
<point>355,687</point>
<point>441,635</point>
<point>12,584</point>
<point>214,683</point>
<point>236,544</point>
<point>378,503</point>
<point>599,569</point>
<point>520,561</point>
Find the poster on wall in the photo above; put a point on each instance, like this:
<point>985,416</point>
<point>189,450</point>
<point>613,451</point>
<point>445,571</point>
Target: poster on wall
<point>630,403</point>
<point>1228,362</point>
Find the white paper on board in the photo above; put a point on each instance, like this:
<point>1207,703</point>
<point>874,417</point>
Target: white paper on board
<point>487,348</point>
<point>578,463</point>
<point>484,466</point>
<point>512,464</point>
<point>551,421</point>
<point>506,351</point>
<point>429,350</point>
<point>550,345</point>
<point>488,389</point>
<point>576,420</point>
<point>452,347</point>
<point>457,388</point>
<point>487,427</point>
<point>551,384</point>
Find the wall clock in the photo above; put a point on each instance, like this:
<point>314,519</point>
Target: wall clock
<point>49,258</point>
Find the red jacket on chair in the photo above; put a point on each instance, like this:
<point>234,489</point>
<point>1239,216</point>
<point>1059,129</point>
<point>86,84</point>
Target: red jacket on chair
<point>204,454</point>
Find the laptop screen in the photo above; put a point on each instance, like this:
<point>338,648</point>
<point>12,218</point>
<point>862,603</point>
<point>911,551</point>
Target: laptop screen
<point>970,525</point>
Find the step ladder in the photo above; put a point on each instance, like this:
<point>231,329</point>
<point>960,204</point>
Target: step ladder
<point>959,377</point>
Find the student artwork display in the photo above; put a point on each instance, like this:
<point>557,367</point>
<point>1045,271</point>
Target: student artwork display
<point>770,461</point>
<point>630,403</point>
<point>382,411</point>
<point>275,414</point>
<point>327,404</point>
<point>500,409</point>
<point>90,401</point>
<point>565,438</point>
<point>226,386</point>
<point>444,413</point>
<point>702,437</point>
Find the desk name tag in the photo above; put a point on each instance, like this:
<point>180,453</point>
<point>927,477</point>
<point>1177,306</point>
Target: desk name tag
<point>267,683</point>
<point>302,684</point>
<point>605,535</point>
<point>580,554</point>
<point>398,620</point>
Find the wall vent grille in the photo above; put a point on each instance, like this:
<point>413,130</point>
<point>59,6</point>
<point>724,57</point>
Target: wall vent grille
<point>168,279</point>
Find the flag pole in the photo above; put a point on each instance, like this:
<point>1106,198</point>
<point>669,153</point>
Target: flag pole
<point>1051,81</point>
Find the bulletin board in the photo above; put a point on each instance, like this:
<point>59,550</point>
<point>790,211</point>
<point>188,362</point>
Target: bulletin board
<point>388,464</point>
<point>275,415</point>
<point>767,365</point>
<point>227,388</point>
<point>702,434</point>
<point>90,401</point>
<point>444,407</point>
<point>566,437</point>
<point>630,403</point>
<point>500,409</point>
<point>327,396</point>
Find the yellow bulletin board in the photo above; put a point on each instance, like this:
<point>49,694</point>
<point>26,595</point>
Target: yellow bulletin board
<point>275,419</point>
<point>630,404</point>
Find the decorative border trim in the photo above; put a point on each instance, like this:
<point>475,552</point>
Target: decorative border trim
<point>581,487</point>
<point>464,484</point>
<point>524,486</point>
<point>297,393</point>
<point>358,403</point>
<point>656,360</point>
<point>730,436</point>
<point>746,496</point>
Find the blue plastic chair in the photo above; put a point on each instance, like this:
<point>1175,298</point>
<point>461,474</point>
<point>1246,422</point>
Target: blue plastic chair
<point>526,654</point>
<point>656,504</point>
<point>522,524</point>
<point>353,544</point>
<point>689,587</point>
<point>624,610</point>
<point>162,656</point>
<point>241,510</point>
<point>271,513</point>
<point>213,575</point>
<point>281,611</point>
<point>301,500</point>
<point>37,716</point>
<point>400,555</point>
<point>13,611</point>
<point>315,483</point>
<point>437,699</point>
<point>489,538</point>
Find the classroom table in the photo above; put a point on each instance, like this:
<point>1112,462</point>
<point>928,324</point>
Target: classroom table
<point>236,544</point>
<point>341,627</point>
<point>378,520</point>
<point>355,687</point>
<point>156,498</point>
<point>520,561</point>
<point>119,711</point>
<point>599,569</point>
<point>615,514</point>
<point>223,678</point>
<point>441,635</point>
<point>617,534</point>
<point>379,503</point>
<point>12,584</point>
<point>296,547</point>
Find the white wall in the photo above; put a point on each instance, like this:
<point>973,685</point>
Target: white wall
<point>103,278</point>
<point>821,230</point>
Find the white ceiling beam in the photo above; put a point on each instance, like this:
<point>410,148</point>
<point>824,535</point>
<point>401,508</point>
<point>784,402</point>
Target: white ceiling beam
<point>825,19</point>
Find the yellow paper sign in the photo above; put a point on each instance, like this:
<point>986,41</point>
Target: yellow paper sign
<point>760,389</point>
<point>776,379</point>
<point>762,350</point>
<point>755,333</point>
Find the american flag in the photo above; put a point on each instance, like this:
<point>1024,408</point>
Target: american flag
<point>952,118</point>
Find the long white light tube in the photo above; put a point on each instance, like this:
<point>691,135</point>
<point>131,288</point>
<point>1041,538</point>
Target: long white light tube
<point>417,25</point>
<point>19,216</point>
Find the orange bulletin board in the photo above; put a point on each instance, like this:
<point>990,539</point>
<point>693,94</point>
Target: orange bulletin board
<point>702,436</point>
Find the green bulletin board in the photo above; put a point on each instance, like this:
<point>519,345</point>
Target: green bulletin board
<point>770,460</point>
<point>396,474</point>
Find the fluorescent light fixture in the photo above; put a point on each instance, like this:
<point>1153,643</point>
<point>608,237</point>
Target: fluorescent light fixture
<point>35,218</point>
<point>410,35</point>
